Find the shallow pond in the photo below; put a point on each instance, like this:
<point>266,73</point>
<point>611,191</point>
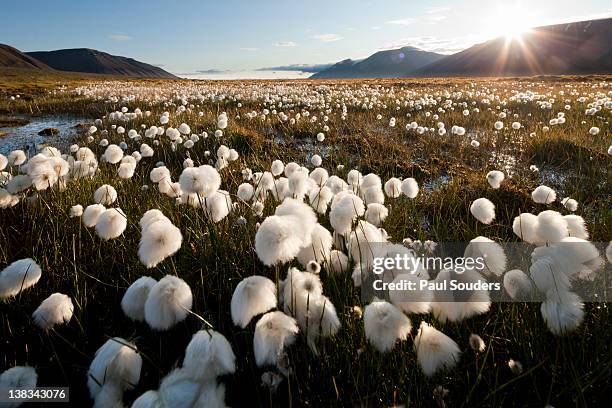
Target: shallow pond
<point>26,137</point>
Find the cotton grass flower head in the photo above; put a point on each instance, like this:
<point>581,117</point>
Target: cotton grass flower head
<point>208,355</point>
<point>254,295</point>
<point>411,301</point>
<point>116,364</point>
<point>477,343</point>
<point>111,223</point>
<point>570,204</point>
<point>384,325</point>
<point>91,214</point>
<point>18,276</point>
<point>376,213</point>
<point>17,377</point>
<point>273,333</point>
<point>491,253</point>
<point>113,154</point>
<point>168,303</point>
<point>159,238</point>
<point>337,263</point>
<point>483,210</point>
<point>410,188</point>
<point>76,211</point>
<point>455,305</point>
<point>105,195</point>
<point>203,180</point>
<point>212,395</point>
<point>133,301</point>
<point>543,195</point>
<point>551,226</point>
<point>345,209</point>
<point>435,350</point>
<point>393,187</point>
<point>56,309</point>
<point>524,226</point>
<point>495,178</point>
<point>517,285</point>
<point>16,158</point>
<point>277,168</point>
<point>319,248</point>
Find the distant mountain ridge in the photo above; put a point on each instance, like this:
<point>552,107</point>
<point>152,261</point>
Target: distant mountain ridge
<point>96,62</point>
<point>383,64</point>
<point>583,47</point>
<point>13,58</point>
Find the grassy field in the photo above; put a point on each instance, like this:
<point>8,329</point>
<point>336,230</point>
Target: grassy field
<point>572,370</point>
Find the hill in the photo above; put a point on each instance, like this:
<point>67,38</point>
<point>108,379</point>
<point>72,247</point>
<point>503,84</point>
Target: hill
<point>96,62</point>
<point>583,47</point>
<point>13,58</point>
<point>383,64</point>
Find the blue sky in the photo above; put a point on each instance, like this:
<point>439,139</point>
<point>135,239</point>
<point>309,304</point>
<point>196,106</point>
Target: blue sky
<point>185,36</point>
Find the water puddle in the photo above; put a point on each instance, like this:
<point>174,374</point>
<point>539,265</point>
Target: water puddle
<point>26,137</point>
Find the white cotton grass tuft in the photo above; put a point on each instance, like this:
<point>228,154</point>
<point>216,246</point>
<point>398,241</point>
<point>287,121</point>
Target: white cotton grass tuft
<point>576,226</point>
<point>570,204</point>
<point>393,187</point>
<point>313,267</point>
<point>18,276</point>
<point>517,284</point>
<point>609,252</point>
<point>483,210</point>
<point>204,180</point>
<point>212,395</point>
<point>281,236</point>
<point>551,226</point>
<point>435,350</point>
<point>159,238</point>
<point>384,325</point>
<point>116,364</point>
<point>491,253</point>
<point>337,263</point>
<point>56,309</point>
<point>495,178</point>
<point>17,377</point>
<point>113,154</point>
<point>208,355</point>
<point>345,209</point>
<point>411,301</point>
<point>105,195</point>
<point>477,343</point>
<point>254,295</point>
<point>273,332</point>
<point>543,195</point>
<point>76,211</point>
<point>133,301</point>
<point>319,249</point>
<point>524,226</point>
<point>177,389</point>
<point>111,223</point>
<point>563,311</point>
<point>376,214</point>
<point>168,303</point>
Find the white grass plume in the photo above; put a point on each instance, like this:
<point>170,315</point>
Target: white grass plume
<point>208,355</point>
<point>19,276</point>
<point>384,325</point>
<point>273,332</point>
<point>133,301</point>
<point>254,295</point>
<point>116,362</point>
<point>435,350</point>
<point>168,303</point>
<point>56,309</point>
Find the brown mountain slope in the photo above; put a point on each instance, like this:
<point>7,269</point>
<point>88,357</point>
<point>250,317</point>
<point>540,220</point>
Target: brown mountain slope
<point>13,58</point>
<point>583,47</point>
<point>97,62</point>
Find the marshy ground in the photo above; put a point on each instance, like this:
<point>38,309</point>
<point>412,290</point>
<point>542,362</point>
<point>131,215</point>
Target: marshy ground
<point>570,370</point>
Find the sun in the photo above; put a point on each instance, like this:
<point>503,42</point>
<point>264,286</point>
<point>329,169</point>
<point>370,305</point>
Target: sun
<point>511,22</point>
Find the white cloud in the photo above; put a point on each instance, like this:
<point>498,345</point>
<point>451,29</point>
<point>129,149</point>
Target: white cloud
<point>327,37</point>
<point>285,44</point>
<point>437,18</point>
<point>435,10</point>
<point>401,21</point>
<point>251,49</point>
<point>119,37</point>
